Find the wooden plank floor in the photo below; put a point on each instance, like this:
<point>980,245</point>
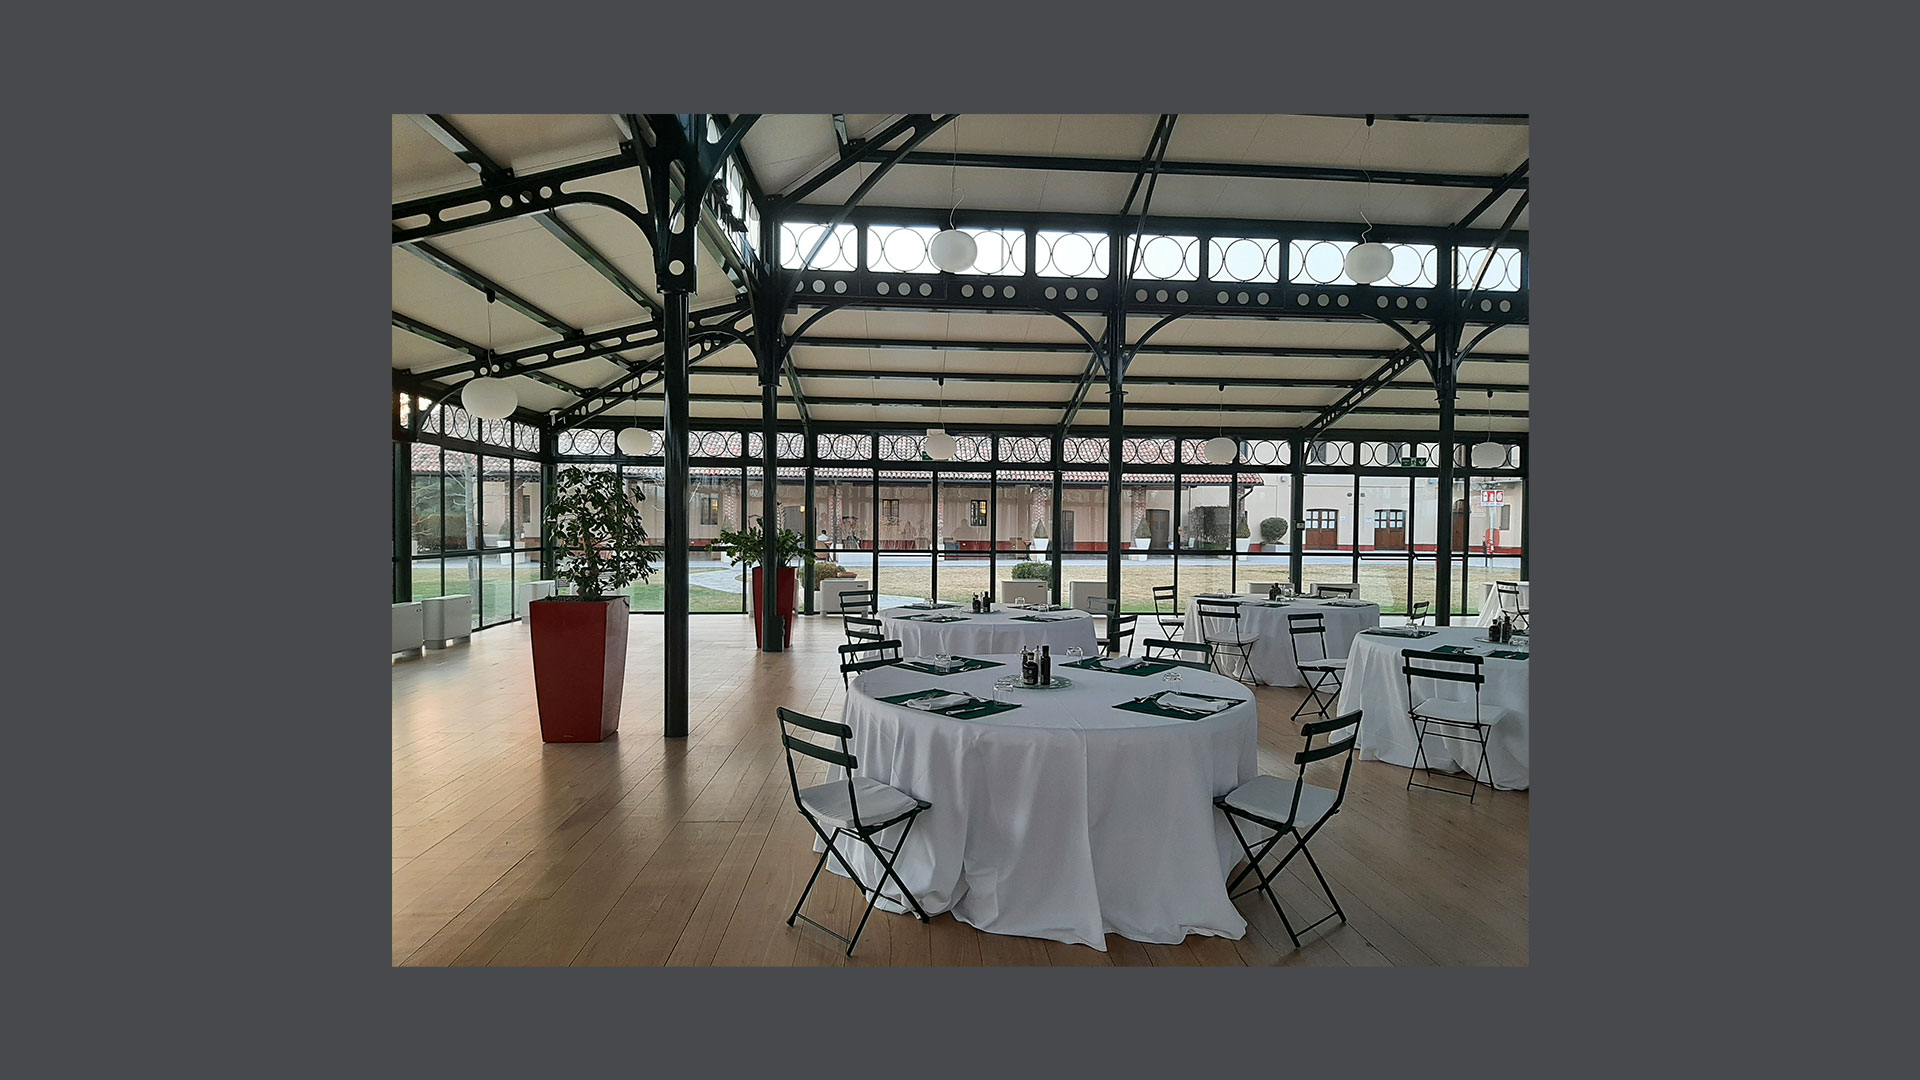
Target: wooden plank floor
<point>643,850</point>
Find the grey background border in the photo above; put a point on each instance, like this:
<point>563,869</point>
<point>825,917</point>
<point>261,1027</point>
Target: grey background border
<point>214,886</point>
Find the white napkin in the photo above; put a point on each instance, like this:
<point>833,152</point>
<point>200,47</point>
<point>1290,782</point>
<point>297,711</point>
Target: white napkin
<point>948,665</point>
<point>943,701</point>
<point>1119,662</point>
<point>1182,701</point>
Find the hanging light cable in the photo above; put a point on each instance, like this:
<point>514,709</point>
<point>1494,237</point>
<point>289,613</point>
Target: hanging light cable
<point>486,397</point>
<point>1367,262</point>
<point>1489,454</point>
<point>1221,450</point>
<point>952,250</point>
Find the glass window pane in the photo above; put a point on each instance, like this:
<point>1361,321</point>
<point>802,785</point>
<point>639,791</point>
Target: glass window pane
<point>496,529</point>
<point>1268,504</point>
<point>713,583</point>
<point>965,546</point>
<point>460,509</point>
<point>528,504</point>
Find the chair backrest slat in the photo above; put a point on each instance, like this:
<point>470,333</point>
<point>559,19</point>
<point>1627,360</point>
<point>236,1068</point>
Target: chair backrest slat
<point>1341,748</point>
<point>1154,648</point>
<point>814,723</point>
<point>1416,664</point>
<point>831,757</point>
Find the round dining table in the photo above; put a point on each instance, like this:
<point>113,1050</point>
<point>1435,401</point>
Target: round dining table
<point>1265,623</point>
<point>1065,818</point>
<point>1375,684</point>
<point>958,631</point>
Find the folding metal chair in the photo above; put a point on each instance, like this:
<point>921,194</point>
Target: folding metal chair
<point>1418,612</point>
<point>1193,654</point>
<point>1102,605</point>
<point>1507,594</point>
<point>858,656</point>
<point>1319,670</point>
<point>1294,809</point>
<point>839,804</point>
<point>859,603</point>
<point>1459,721</point>
<point>1166,608</point>
<point>861,629</point>
<point>1220,628</point>
<point>1336,590</point>
<point>1119,629</point>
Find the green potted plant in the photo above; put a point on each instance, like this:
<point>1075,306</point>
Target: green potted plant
<point>746,548</point>
<point>1142,538</point>
<point>580,639</point>
<point>1039,536</point>
<point>1273,530</point>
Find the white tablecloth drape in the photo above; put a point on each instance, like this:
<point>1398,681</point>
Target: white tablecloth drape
<point>1490,607</point>
<point>1375,684</point>
<point>999,631</point>
<point>1065,819</point>
<point>1272,652</point>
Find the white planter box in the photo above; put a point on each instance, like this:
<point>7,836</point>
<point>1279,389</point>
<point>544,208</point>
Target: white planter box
<point>448,618</point>
<point>409,626</point>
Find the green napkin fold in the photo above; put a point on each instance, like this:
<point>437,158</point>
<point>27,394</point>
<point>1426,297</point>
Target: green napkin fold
<point>1152,707</point>
<point>935,618</point>
<point>1149,667</point>
<point>1507,654</point>
<point>1452,649</point>
<point>971,664</point>
<point>965,711</point>
<point>1033,618</point>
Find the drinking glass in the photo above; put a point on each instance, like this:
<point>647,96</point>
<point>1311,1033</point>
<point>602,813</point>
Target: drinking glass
<point>1075,654</point>
<point>1172,680</point>
<point>1002,688</point>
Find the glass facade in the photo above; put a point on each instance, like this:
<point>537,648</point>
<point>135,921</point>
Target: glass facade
<point>1368,512</point>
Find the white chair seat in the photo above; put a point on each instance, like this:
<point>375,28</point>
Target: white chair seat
<point>1271,797</point>
<point>878,802</point>
<point>1335,663</point>
<point>1460,712</point>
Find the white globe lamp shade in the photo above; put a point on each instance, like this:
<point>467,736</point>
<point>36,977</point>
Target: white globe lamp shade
<point>952,251</point>
<point>489,399</point>
<point>1368,263</point>
<point>940,445</point>
<point>635,441</point>
<point>1221,450</point>
<point>1489,455</point>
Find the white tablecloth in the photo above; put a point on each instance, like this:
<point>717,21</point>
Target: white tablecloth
<point>1272,652</point>
<point>1065,819</point>
<point>1374,684</point>
<point>1490,607</point>
<point>999,631</point>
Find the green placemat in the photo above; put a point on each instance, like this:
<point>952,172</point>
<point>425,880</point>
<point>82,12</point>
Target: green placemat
<point>1452,649</point>
<point>1152,707</point>
<point>1391,632</point>
<point>928,607</point>
<point>1507,654</point>
<point>970,665</point>
<point>970,710</point>
<point>1349,603</point>
<point>1149,667</point>
<point>1033,618</point>
<point>935,618</point>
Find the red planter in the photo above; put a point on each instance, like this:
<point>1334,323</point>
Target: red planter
<point>579,662</point>
<point>787,574</point>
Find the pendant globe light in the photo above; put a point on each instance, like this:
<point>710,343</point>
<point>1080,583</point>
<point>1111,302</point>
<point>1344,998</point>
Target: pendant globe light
<point>940,446</point>
<point>952,250</point>
<point>635,441</point>
<point>1488,454</point>
<point>1220,450</point>
<point>485,397</point>
<point>1367,262</point>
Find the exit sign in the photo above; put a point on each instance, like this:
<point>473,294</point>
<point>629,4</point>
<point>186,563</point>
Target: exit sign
<point>1413,462</point>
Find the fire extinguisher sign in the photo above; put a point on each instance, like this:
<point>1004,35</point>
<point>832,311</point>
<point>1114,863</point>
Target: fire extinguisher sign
<point>1492,498</point>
